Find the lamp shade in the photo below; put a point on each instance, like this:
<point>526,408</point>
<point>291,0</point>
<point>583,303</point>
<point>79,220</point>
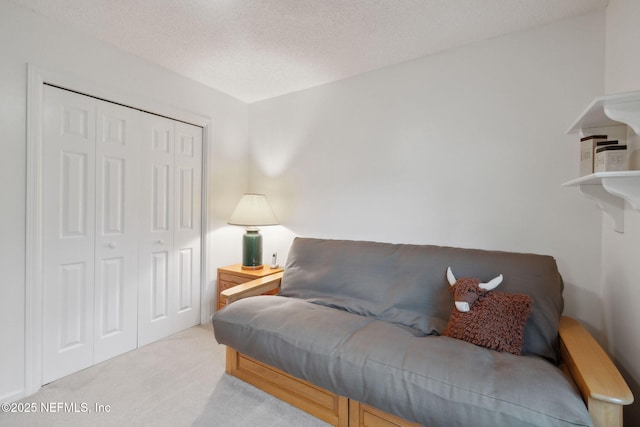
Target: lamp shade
<point>253,210</point>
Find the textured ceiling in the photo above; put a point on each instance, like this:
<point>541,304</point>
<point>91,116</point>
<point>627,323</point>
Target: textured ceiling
<point>257,49</point>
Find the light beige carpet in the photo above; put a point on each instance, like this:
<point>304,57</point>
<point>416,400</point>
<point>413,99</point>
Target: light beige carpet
<point>178,381</point>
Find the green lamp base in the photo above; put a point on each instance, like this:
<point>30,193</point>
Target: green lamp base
<point>252,249</point>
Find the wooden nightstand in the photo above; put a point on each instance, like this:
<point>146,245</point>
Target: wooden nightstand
<point>233,275</point>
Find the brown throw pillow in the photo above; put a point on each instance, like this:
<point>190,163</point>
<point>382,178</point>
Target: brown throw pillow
<point>496,321</point>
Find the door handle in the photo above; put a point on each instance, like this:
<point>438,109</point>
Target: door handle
<point>112,245</point>
<point>160,241</point>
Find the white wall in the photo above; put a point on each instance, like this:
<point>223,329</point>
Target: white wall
<point>26,38</point>
<point>463,148</point>
<point>621,252</point>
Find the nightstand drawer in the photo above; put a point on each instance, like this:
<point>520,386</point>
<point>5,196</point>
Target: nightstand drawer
<point>225,284</point>
<point>233,275</point>
<point>232,278</point>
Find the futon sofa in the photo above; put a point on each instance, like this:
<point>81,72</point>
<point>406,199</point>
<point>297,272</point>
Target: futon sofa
<point>354,337</point>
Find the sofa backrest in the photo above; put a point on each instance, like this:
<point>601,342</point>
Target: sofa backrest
<point>407,285</point>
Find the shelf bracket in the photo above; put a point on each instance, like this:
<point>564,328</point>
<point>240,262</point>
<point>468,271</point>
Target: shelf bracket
<point>610,203</point>
<point>627,188</point>
<point>624,112</point>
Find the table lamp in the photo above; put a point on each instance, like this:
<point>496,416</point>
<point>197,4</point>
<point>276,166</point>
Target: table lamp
<point>253,210</point>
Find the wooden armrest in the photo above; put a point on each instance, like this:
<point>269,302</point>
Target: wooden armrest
<point>592,370</point>
<point>254,287</point>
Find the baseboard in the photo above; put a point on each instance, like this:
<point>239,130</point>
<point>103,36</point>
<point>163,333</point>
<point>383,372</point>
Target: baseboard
<point>13,396</point>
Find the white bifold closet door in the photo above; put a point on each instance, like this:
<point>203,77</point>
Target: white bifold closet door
<point>169,250</point>
<point>99,216</point>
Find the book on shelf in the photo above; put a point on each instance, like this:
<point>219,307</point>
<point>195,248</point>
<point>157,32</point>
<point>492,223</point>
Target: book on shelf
<point>588,146</point>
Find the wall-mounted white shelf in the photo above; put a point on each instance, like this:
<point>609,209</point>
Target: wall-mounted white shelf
<point>611,189</point>
<point>610,110</point>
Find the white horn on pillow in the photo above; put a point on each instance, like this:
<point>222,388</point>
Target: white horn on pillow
<point>450,277</point>
<point>492,284</point>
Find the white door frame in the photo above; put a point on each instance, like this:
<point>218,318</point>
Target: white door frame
<point>36,78</point>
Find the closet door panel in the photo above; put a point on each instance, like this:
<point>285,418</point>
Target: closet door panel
<point>68,236</point>
<point>117,193</point>
<point>187,234</point>
<point>156,255</point>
